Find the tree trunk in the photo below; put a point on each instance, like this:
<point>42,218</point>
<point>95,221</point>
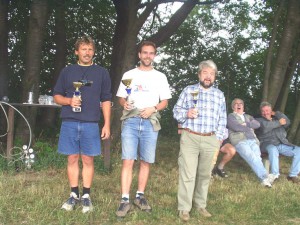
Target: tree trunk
<point>269,57</point>
<point>3,61</point>
<point>297,138</point>
<point>35,37</point>
<point>49,115</point>
<point>284,93</point>
<point>292,135</point>
<point>289,37</point>
<point>3,49</point>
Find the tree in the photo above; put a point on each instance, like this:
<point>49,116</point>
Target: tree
<point>280,67</point>
<point>3,48</point>
<point>3,57</point>
<point>35,38</point>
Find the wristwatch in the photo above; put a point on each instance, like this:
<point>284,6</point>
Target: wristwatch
<point>155,109</point>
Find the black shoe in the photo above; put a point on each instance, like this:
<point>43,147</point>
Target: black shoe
<point>124,208</point>
<point>295,180</point>
<point>220,172</point>
<point>142,203</point>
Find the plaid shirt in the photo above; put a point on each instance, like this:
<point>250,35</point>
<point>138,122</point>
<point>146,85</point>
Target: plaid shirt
<point>211,108</point>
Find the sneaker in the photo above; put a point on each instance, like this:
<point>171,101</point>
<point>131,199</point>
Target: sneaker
<point>184,215</point>
<point>69,205</point>
<point>124,208</point>
<point>203,212</point>
<point>266,183</point>
<point>86,202</point>
<point>220,172</point>
<point>272,178</point>
<point>142,203</point>
<point>295,180</point>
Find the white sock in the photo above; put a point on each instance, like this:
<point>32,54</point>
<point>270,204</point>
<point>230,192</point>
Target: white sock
<point>138,192</point>
<point>125,196</point>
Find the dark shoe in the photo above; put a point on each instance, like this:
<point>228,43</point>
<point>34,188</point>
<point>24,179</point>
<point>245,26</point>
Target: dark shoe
<point>184,215</point>
<point>69,205</point>
<point>142,203</point>
<point>220,172</point>
<point>295,180</point>
<point>86,202</point>
<point>124,208</point>
<point>203,212</point>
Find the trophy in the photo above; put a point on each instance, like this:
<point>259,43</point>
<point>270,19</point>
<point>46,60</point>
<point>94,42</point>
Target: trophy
<point>127,83</point>
<point>77,94</point>
<point>194,94</point>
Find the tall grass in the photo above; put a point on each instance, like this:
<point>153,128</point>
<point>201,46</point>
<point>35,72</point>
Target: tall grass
<point>35,197</point>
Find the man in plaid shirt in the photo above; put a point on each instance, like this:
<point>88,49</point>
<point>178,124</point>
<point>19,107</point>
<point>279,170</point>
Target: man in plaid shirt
<point>201,111</point>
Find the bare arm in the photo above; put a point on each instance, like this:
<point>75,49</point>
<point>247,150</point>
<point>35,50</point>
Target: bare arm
<point>147,112</point>
<point>106,109</point>
<point>62,100</point>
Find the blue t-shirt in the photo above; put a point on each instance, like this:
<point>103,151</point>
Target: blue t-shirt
<point>99,91</point>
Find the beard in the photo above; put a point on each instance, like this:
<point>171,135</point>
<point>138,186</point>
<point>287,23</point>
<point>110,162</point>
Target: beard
<point>145,63</point>
<point>206,85</point>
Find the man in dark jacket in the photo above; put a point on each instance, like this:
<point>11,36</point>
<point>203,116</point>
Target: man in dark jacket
<point>272,136</point>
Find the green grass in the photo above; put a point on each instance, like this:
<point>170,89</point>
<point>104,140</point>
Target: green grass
<point>35,197</point>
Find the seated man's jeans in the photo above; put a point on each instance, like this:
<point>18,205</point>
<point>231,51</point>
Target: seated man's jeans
<point>250,152</point>
<point>286,150</point>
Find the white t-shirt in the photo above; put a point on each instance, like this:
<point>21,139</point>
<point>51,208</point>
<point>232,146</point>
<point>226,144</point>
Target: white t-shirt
<point>148,87</point>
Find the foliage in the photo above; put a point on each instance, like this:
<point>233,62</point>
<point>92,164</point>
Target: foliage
<point>35,197</point>
<point>234,34</point>
<point>95,18</point>
<point>223,33</point>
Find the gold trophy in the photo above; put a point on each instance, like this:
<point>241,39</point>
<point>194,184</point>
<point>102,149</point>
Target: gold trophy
<point>195,93</point>
<point>127,83</point>
<point>77,94</point>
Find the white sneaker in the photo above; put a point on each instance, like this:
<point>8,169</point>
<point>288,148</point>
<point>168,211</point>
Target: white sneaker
<point>266,183</point>
<point>86,202</point>
<point>272,177</point>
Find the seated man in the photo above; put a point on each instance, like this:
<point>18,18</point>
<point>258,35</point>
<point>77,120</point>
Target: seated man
<point>241,134</point>
<point>272,136</point>
<point>229,151</point>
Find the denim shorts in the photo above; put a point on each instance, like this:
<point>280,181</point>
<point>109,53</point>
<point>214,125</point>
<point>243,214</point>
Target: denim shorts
<point>138,134</point>
<point>79,138</point>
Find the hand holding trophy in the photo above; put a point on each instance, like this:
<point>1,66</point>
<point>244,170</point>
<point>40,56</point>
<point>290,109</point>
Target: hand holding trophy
<point>127,83</point>
<point>77,94</point>
<point>195,93</point>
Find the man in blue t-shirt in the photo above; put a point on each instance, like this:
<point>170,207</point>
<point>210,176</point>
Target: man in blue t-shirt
<point>79,134</point>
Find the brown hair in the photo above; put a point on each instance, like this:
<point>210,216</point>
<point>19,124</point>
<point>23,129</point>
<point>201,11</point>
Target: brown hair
<point>84,40</point>
<point>146,43</point>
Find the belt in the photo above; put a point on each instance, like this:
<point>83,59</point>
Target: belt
<point>197,133</point>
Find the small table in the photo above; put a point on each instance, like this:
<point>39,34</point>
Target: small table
<point>10,133</point>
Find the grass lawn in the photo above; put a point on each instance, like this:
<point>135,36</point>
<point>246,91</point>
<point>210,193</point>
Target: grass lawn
<point>35,197</point>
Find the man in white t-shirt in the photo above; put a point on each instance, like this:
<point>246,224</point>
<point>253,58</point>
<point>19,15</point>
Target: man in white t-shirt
<point>149,93</point>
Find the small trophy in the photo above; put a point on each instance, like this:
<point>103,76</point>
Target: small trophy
<point>77,94</point>
<point>127,83</point>
<point>195,93</point>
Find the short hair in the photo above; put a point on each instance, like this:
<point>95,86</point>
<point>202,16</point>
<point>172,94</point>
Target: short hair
<point>84,40</point>
<point>234,100</point>
<point>207,63</point>
<point>263,104</point>
<point>146,43</point>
